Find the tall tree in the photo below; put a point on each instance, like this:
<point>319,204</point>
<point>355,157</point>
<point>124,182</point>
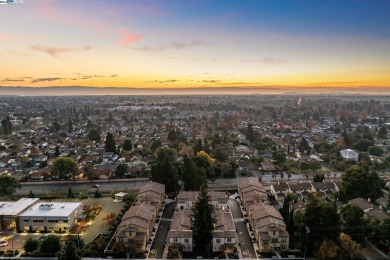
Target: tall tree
<point>121,170</point>
<point>127,145</point>
<point>30,245</point>
<point>31,194</point>
<point>94,135</point>
<point>7,126</point>
<point>358,182</point>
<point>202,223</point>
<point>188,174</point>
<point>63,167</point>
<point>70,125</point>
<point>51,245</point>
<point>319,217</point>
<point>353,222</point>
<point>382,133</point>
<point>57,151</point>
<point>70,193</point>
<point>70,252</point>
<point>349,248</point>
<point>164,170</point>
<point>8,185</point>
<point>110,145</point>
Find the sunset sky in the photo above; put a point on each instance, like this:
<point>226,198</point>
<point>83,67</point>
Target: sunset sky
<point>213,43</point>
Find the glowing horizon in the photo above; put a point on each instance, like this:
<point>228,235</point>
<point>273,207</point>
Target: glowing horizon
<point>209,44</point>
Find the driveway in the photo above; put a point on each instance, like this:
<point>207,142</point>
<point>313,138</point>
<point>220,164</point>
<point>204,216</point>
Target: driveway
<point>244,239</point>
<point>157,248</point>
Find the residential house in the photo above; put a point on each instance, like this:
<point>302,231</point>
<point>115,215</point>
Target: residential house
<point>180,234</point>
<point>279,191</point>
<point>136,227</point>
<point>153,194</point>
<point>219,200</point>
<point>368,208</point>
<point>350,155</point>
<point>267,167</point>
<point>224,233</point>
<point>268,227</point>
<point>251,192</point>
<point>186,199</point>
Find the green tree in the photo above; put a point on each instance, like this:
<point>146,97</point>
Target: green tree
<point>375,150</point>
<point>352,217</point>
<point>70,252</point>
<point>70,193</point>
<point>57,151</point>
<point>303,145</point>
<point>164,169</point>
<point>97,193</point>
<point>363,144</point>
<point>63,167</point>
<point>110,145</point>
<point>70,125</point>
<point>121,170</point>
<point>127,145</point>
<point>31,194</point>
<point>8,185</point>
<point>358,182</point>
<point>188,174</point>
<point>51,245</point>
<point>94,135</point>
<point>382,133</point>
<point>91,172</point>
<point>7,126</point>
<point>30,245</point>
<point>202,223</point>
<point>319,217</point>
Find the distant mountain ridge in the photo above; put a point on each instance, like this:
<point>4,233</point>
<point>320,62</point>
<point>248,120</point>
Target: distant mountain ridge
<point>87,90</point>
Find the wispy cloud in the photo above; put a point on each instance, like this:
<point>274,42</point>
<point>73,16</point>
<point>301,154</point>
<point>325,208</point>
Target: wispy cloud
<point>163,81</point>
<point>13,80</point>
<point>56,51</point>
<point>7,37</point>
<point>173,45</point>
<point>129,37</point>
<point>80,76</point>
<point>45,80</point>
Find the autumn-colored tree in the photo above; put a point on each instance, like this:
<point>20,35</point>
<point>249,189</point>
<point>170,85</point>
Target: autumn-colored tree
<point>34,150</point>
<point>327,250</point>
<point>348,247</point>
<point>207,156</point>
<point>109,217</point>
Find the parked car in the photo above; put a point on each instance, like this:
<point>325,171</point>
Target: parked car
<point>95,186</point>
<point>3,243</point>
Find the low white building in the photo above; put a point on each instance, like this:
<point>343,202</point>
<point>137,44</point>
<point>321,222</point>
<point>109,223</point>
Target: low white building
<point>50,217</point>
<point>10,210</point>
<point>350,155</point>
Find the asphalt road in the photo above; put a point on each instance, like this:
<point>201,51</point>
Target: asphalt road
<point>106,187</point>
<point>157,248</point>
<point>242,232</point>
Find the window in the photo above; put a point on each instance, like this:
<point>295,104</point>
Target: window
<point>25,220</point>
<point>283,240</point>
<point>52,221</point>
<point>265,242</point>
<point>229,239</point>
<point>274,240</point>
<point>283,247</point>
<point>186,240</point>
<point>65,221</point>
<point>273,233</point>
<point>175,239</point>
<point>65,228</point>
<point>218,240</point>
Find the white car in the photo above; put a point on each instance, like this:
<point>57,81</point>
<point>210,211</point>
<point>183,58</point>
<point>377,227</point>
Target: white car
<point>95,186</point>
<point>3,243</point>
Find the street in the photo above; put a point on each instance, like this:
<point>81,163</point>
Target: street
<point>243,237</point>
<point>157,248</point>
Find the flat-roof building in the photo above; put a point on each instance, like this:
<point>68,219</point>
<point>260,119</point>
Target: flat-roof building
<point>51,217</point>
<point>10,210</point>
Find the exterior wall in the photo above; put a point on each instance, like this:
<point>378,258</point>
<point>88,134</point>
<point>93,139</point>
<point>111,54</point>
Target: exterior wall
<point>219,243</point>
<point>186,243</point>
<point>273,242</point>
<point>48,223</point>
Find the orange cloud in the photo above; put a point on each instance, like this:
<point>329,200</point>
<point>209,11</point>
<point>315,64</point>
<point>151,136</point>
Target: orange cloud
<point>55,51</point>
<point>129,37</point>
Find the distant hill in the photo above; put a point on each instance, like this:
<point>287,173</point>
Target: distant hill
<point>83,90</point>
